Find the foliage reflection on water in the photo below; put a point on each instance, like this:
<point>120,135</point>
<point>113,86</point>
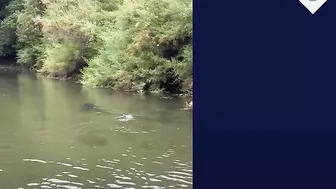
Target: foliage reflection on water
<point>47,142</point>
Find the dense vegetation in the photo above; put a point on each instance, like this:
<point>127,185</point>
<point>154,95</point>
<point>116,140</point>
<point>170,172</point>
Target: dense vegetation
<point>134,45</point>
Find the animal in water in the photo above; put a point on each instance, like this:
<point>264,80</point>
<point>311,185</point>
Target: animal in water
<point>88,106</point>
<point>92,107</point>
<point>125,117</point>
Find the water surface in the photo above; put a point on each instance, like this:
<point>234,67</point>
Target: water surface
<point>48,141</point>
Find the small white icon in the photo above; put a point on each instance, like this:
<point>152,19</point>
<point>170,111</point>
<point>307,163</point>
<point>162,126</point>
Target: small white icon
<point>313,5</point>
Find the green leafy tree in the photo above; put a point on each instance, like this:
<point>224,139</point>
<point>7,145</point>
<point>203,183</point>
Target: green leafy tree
<point>144,49</point>
<point>30,45</point>
<point>134,45</point>
<point>8,27</point>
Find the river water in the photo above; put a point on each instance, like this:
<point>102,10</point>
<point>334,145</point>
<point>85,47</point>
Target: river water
<point>48,141</point>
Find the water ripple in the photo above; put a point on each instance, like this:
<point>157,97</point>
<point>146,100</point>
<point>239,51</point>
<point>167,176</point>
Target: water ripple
<point>35,160</point>
<point>168,172</point>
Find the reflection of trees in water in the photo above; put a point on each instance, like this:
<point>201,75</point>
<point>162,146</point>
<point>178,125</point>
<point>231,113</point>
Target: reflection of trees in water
<point>151,107</point>
<point>65,99</point>
<point>10,122</point>
<point>9,99</point>
<point>48,111</point>
<point>33,95</point>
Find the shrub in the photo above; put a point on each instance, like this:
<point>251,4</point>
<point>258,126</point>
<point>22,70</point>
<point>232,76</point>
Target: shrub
<point>29,33</point>
<point>70,33</point>
<point>143,50</point>
<point>138,45</point>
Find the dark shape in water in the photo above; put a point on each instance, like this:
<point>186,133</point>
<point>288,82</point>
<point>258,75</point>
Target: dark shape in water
<point>92,107</point>
<point>88,106</point>
<point>92,140</point>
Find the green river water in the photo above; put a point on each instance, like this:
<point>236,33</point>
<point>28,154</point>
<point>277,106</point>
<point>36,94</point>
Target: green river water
<point>48,141</point>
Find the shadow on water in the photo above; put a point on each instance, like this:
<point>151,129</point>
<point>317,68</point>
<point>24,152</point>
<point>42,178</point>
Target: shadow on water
<point>7,61</point>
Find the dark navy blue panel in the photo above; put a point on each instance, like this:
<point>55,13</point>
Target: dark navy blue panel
<point>264,94</point>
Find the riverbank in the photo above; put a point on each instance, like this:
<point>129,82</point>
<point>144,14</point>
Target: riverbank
<point>9,64</point>
<point>11,68</point>
<point>139,46</point>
